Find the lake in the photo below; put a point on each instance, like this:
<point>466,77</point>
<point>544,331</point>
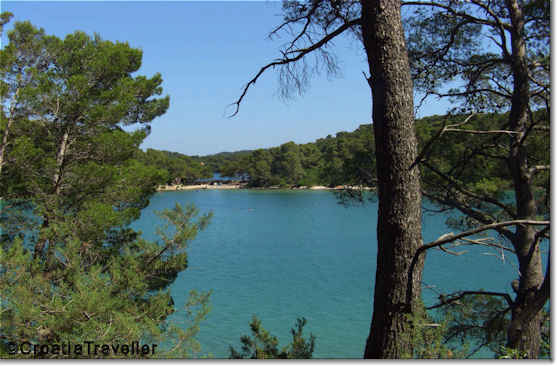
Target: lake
<point>287,254</point>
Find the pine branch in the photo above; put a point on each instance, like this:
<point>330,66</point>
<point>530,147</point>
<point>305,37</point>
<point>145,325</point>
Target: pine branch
<point>300,53</point>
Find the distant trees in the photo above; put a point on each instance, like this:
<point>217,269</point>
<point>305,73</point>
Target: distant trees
<point>259,168</point>
<point>311,163</point>
<point>349,158</point>
<point>229,164</point>
<point>289,162</point>
<point>181,169</point>
<point>331,161</point>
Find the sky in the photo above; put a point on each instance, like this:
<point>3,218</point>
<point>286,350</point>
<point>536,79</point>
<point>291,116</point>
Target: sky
<point>206,52</point>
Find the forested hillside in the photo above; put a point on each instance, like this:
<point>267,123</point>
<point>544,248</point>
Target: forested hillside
<point>330,161</point>
<point>347,157</point>
<point>179,168</point>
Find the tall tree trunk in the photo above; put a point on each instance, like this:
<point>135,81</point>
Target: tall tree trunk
<point>60,159</point>
<point>4,144</point>
<point>57,186</point>
<point>524,331</point>
<point>399,220</point>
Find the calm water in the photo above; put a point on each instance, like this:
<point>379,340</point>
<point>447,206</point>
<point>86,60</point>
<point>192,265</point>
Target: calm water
<point>286,254</point>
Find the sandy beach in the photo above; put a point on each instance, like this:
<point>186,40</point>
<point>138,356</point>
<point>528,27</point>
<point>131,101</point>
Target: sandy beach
<point>181,187</point>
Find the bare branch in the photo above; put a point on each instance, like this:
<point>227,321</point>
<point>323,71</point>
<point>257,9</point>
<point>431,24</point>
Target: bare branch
<point>457,13</point>
<point>487,244</point>
<point>538,168</point>
<point>473,195</point>
<point>501,26</point>
<point>460,295</point>
<point>474,91</point>
<point>300,53</point>
<point>449,238</point>
<point>424,151</point>
<point>294,20</point>
<point>444,239</point>
<point>290,21</point>
<point>478,132</point>
<point>451,252</point>
<point>479,216</point>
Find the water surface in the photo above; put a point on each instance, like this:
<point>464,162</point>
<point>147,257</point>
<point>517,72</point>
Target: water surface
<point>286,254</point>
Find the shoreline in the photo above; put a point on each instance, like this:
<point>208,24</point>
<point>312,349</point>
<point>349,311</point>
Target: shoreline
<point>181,187</point>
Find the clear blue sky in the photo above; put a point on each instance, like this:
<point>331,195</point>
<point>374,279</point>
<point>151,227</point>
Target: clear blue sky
<point>206,52</point>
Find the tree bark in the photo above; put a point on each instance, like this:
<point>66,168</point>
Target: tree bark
<point>4,144</point>
<point>399,219</point>
<point>60,159</point>
<point>524,331</point>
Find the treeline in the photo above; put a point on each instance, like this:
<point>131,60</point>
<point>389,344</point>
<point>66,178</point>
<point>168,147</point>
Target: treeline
<point>178,168</point>
<point>348,157</point>
<point>215,162</point>
<point>334,160</point>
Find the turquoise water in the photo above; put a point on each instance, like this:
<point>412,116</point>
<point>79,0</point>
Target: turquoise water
<point>286,254</point>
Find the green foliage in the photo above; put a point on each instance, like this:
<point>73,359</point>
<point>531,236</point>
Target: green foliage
<point>259,169</point>
<point>184,332</point>
<point>427,337</point>
<point>263,345</point>
<point>465,326</point>
<point>288,163</point>
<point>67,152</point>
<point>347,159</point>
<point>226,163</point>
<point>72,182</point>
<point>511,353</point>
<point>471,170</point>
<point>477,323</point>
<point>447,47</point>
<point>333,161</point>
<point>477,320</point>
<point>66,146</point>
<point>4,19</point>
<point>461,50</point>
<point>181,169</point>
<point>97,294</point>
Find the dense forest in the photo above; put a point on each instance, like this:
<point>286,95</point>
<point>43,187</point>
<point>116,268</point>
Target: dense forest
<point>330,161</point>
<point>347,158</point>
<point>179,168</point>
